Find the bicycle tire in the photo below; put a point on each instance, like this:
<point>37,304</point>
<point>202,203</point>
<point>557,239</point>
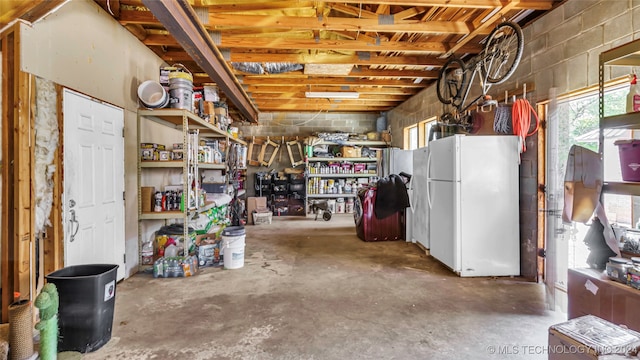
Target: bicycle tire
<point>505,44</point>
<point>448,88</point>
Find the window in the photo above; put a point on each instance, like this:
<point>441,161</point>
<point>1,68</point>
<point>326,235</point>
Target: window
<point>578,124</point>
<point>416,135</point>
<point>411,137</point>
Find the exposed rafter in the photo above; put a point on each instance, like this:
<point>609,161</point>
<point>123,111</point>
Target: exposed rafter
<point>395,47</point>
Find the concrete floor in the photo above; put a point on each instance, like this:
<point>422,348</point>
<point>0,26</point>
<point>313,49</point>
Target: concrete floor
<point>313,290</point>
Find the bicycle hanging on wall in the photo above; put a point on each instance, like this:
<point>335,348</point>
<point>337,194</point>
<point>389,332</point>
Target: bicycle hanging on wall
<point>495,63</point>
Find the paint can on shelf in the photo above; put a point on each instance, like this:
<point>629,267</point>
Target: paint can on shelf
<point>331,205</point>
<point>181,90</point>
<point>340,206</point>
<point>348,206</point>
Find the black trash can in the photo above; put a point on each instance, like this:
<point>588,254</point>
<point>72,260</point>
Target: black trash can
<point>87,300</point>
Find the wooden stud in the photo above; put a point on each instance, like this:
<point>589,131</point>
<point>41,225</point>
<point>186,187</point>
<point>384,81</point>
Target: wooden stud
<point>24,157</point>
<point>7,228</point>
<point>18,138</point>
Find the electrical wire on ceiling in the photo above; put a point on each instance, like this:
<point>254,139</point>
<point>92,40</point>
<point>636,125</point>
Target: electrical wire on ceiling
<point>304,122</point>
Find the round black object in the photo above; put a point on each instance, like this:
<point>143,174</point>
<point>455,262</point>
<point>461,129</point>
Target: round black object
<point>326,215</point>
<point>87,301</point>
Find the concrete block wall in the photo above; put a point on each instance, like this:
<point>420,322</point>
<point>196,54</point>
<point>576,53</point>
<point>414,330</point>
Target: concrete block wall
<point>301,124</point>
<point>561,53</point>
<point>304,124</point>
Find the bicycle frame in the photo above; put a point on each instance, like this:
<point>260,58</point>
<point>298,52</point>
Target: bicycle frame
<point>475,64</point>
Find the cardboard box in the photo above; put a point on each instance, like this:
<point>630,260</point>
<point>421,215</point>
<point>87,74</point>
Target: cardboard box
<point>146,193</point>
<point>164,155</point>
<point>262,218</point>
<point>150,151</point>
<point>590,338</point>
<point>350,152</point>
<point>252,204</point>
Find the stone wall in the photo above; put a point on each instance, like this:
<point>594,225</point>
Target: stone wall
<point>562,53</point>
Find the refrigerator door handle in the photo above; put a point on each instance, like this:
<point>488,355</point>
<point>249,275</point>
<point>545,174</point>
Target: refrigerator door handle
<point>428,179</point>
<point>413,209</point>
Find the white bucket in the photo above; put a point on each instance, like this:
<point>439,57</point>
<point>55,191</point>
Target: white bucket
<point>233,244</point>
<point>152,95</point>
<point>331,205</point>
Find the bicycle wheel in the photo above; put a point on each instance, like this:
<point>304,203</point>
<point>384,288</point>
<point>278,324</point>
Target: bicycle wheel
<point>451,79</point>
<point>502,52</point>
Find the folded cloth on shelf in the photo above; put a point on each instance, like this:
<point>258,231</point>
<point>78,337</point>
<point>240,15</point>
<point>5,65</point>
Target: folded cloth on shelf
<point>391,196</point>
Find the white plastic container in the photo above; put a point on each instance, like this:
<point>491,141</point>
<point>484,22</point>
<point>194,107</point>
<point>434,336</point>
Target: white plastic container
<point>233,243</point>
<point>152,95</point>
<point>331,205</point>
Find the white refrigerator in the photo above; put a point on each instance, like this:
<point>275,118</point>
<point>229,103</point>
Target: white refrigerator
<point>395,160</point>
<point>419,206</point>
<point>473,195</point>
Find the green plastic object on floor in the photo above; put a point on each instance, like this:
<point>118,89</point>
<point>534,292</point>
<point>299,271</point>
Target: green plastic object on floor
<point>47,302</point>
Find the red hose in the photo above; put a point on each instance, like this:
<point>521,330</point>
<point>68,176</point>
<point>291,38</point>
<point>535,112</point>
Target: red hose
<point>521,120</point>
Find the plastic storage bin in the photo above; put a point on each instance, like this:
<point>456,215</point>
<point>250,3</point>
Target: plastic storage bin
<point>629,151</point>
<point>87,301</point>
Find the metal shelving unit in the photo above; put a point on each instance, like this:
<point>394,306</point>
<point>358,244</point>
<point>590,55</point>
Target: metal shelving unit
<point>183,121</point>
<point>338,176</point>
<point>624,55</point>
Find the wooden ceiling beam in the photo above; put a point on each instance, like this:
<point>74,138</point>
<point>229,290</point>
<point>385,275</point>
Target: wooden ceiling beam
<point>369,59</point>
<point>301,95</point>
<point>247,80</point>
<point>482,27</point>
<point>355,73</point>
<point>353,11</point>
<point>218,22</point>
<point>179,19</point>
<point>525,4</point>
<point>252,90</point>
<point>248,5</point>
<point>334,45</point>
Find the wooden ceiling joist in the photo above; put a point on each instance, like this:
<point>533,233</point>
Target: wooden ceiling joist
<point>306,23</point>
<point>335,45</point>
<point>368,60</point>
<point>356,72</point>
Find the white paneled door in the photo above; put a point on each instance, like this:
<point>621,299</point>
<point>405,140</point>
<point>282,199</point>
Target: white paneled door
<point>93,208</point>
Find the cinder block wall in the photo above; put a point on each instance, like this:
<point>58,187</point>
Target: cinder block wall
<point>561,52</point>
<point>304,124</point>
<point>301,124</point>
